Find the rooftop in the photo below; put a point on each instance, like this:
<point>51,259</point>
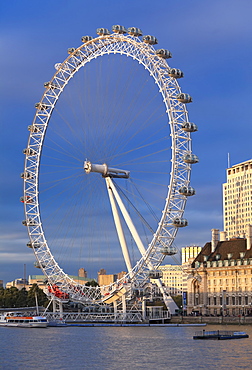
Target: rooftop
<point>228,249</point>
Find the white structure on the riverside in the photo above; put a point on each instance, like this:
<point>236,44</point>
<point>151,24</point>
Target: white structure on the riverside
<point>129,43</point>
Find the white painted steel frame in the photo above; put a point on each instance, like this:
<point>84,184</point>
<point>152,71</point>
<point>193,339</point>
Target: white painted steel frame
<point>180,171</point>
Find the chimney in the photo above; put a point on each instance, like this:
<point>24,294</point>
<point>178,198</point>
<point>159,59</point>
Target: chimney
<point>215,239</point>
<point>223,236</point>
<point>249,236</point>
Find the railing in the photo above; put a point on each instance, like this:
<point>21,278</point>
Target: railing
<point>132,316</point>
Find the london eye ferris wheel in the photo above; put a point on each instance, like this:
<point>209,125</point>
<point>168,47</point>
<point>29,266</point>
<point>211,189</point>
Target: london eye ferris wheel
<point>107,164</point>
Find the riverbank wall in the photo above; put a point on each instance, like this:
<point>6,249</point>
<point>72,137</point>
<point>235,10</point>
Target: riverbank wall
<point>214,320</point>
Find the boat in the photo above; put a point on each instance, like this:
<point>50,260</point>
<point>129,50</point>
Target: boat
<point>220,335</point>
<point>16,319</point>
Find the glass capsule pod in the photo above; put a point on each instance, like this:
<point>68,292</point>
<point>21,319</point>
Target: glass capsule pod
<point>33,128</point>
<point>168,251</point>
<point>151,40</point>
<point>164,53</point>
<point>41,106</point>
<point>57,66</point>
<point>188,191</point>
<point>86,38</point>
<point>190,158</point>
<point>102,31</point>
<point>29,151</point>
<point>26,199</point>
<point>29,223</point>
<point>119,29</point>
<point>180,222</point>
<point>71,50</point>
<point>184,98</point>
<point>189,127</point>
<point>38,265</point>
<point>26,175</point>
<point>35,245</point>
<point>134,31</point>
<point>176,73</point>
<point>49,85</point>
<point>155,274</point>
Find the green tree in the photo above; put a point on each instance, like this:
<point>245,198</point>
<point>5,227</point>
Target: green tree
<point>41,296</point>
<point>22,298</point>
<point>12,297</point>
<point>178,300</point>
<point>92,283</point>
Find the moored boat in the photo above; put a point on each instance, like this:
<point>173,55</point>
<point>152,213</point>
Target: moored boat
<point>220,334</point>
<point>14,319</point>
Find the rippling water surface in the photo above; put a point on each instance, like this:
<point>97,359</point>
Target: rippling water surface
<point>119,348</point>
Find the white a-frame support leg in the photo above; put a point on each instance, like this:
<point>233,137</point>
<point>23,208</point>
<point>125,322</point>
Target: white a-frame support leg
<point>118,225</point>
<point>127,218</point>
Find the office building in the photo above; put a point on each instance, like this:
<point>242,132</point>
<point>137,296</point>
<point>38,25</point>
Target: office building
<point>172,278</point>
<point>189,252</point>
<point>237,199</point>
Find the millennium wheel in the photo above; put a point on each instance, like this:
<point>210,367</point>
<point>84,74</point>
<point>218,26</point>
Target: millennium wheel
<point>107,166</point>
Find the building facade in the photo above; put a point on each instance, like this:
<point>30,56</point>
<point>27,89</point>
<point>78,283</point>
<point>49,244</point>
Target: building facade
<point>189,252</point>
<point>172,278</point>
<point>237,199</point>
<point>220,277</point>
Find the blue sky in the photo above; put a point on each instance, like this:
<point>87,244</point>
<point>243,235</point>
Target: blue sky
<point>210,42</point>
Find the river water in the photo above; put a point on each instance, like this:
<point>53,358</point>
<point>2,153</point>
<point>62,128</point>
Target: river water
<point>121,348</point>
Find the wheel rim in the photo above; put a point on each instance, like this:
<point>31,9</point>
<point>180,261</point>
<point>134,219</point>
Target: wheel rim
<point>165,231</point>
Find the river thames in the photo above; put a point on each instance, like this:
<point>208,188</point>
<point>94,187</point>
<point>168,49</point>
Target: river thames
<point>121,348</point>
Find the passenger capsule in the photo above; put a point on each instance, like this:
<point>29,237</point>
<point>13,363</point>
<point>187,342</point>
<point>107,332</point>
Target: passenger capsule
<point>71,50</point>
<point>155,274</point>
<point>168,251</point>
<point>26,199</point>
<point>119,29</point>
<point>164,53</point>
<point>102,31</point>
<point>188,191</point>
<point>57,66</point>
<point>26,175</point>
<point>29,151</point>
<point>34,245</point>
<point>29,222</point>
<point>86,38</point>
<point>179,222</point>
<point>38,265</point>
<point>189,127</point>
<point>49,85</point>
<point>175,73</point>
<point>41,106</point>
<point>134,31</point>
<point>190,158</point>
<point>151,40</point>
<point>33,128</point>
<point>184,98</point>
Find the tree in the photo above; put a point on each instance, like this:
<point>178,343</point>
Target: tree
<point>12,297</point>
<point>178,300</point>
<point>41,296</point>
<point>92,283</point>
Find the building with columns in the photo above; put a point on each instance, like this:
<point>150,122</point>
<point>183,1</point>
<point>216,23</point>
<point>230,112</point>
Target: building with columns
<point>220,277</point>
